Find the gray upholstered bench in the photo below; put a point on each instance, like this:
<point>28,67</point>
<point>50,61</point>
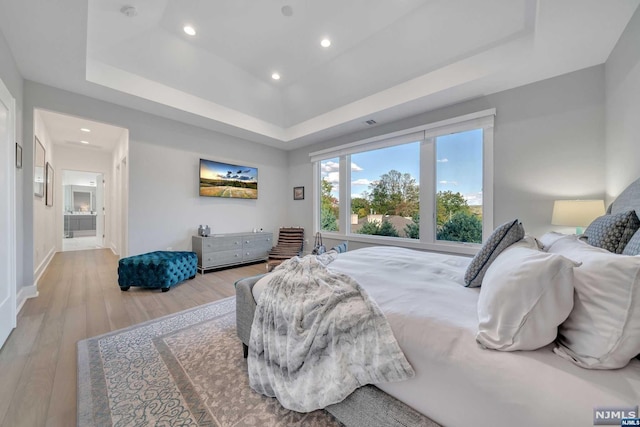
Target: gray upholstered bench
<point>156,270</point>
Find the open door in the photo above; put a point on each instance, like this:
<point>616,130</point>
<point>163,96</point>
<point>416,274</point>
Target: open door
<point>7,214</point>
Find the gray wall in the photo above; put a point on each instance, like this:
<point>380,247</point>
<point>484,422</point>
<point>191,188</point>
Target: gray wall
<point>164,207</point>
<point>549,144</point>
<point>12,79</point>
<point>622,74</point>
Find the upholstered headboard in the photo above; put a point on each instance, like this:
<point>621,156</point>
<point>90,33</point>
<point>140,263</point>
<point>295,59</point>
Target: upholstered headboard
<point>628,200</point>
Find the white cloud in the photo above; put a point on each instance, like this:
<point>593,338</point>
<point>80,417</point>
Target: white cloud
<point>361,181</point>
<point>327,167</point>
<point>355,168</point>
<point>454,183</point>
<point>332,177</point>
<point>445,160</point>
<point>473,198</point>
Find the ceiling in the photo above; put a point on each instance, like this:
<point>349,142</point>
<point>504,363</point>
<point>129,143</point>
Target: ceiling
<point>388,59</point>
<point>66,131</point>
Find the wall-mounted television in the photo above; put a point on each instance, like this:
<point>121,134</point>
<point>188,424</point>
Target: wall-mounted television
<point>225,180</point>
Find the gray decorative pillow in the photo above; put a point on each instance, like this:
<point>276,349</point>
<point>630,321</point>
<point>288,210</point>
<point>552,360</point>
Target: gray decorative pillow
<point>633,247</point>
<point>612,232</point>
<point>501,238</point>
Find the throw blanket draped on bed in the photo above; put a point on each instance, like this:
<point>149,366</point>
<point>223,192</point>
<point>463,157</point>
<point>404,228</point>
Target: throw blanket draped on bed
<point>317,336</point>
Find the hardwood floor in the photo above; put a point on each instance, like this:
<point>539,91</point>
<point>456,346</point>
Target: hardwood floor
<point>80,298</point>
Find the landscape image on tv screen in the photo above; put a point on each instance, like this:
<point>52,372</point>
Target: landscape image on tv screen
<point>225,180</point>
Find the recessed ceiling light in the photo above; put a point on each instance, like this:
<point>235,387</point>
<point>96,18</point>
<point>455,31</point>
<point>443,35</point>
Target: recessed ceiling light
<point>275,76</point>
<point>84,142</point>
<point>85,130</point>
<point>189,30</point>
<point>325,43</point>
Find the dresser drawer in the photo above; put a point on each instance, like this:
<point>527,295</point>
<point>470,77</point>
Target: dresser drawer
<point>254,254</point>
<point>213,259</point>
<point>217,244</point>
<point>257,241</point>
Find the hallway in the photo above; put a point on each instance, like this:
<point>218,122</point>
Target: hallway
<point>80,298</point>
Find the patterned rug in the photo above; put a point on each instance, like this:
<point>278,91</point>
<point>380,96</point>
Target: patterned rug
<point>185,369</point>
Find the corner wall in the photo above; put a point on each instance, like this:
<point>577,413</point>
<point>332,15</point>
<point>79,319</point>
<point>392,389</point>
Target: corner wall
<point>13,80</point>
<point>622,75</point>
<point>548,144</point>
<point>164,209</point>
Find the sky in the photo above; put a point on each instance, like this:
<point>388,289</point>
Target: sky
<point>459,165</point>
<point>212,170</point>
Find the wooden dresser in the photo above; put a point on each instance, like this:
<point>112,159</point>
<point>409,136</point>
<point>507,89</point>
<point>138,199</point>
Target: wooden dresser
<point>222,250</point>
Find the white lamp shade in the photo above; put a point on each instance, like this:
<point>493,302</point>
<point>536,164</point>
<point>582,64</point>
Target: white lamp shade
<point>576,213</point>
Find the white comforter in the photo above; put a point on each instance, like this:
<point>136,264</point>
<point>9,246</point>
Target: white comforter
<point>458,383</point>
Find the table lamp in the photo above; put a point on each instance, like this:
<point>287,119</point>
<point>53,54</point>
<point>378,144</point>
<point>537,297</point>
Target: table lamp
<point>576,213</point>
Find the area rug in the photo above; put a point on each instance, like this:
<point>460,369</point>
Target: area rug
<point>184,369</point>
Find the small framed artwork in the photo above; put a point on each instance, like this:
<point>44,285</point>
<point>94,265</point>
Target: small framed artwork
<point>38,168</point>
<point>18,156</point>
<point>49,189</point>
<point>298,193</point>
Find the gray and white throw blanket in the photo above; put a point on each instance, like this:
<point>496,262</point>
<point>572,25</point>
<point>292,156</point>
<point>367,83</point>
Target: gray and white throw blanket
<point>317,336</point>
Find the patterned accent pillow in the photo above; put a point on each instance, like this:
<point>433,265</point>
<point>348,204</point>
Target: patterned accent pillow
<point>633,247</point>
<point>342,247</point>
<point>501,238</point>
<point>612,232</point>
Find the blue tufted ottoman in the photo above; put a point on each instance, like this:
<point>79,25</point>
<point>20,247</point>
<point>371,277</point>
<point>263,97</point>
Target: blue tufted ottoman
<point>156,269</point>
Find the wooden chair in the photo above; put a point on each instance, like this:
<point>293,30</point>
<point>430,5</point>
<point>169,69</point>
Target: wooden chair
<point>290,242</point>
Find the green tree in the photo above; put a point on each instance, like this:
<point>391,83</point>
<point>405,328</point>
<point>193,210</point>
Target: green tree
<point>412,230</point>
<point>328,207</point>
<point>328,220</point>
<point>395,193</point>
<point>360,206</point>
<point>448,204</point>
<point>377,229</point>
<point>462,227</point>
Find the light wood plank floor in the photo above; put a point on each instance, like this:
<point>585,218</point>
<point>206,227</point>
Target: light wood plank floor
<point>80,298</point>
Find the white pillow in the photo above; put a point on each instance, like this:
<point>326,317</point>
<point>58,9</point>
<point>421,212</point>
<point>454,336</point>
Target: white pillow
<point>550,238</point>
<point>603,330</point>
<point>525,295</point>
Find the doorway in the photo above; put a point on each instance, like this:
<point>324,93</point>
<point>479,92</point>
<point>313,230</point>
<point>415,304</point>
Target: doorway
<point>83,210</point>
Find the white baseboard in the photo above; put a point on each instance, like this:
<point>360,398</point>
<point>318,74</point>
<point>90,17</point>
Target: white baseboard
<point>43,266</point>
<point>24,294</point>
<point>114,249</point>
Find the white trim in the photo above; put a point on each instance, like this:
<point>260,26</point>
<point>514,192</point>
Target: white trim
<point>487,182</point>
<point>478,119</point>
<point>11,275</point>
<point>444,247</point>
<point>38,272</point>
<point>25,293</point>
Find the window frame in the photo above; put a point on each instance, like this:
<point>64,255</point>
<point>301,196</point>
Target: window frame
<point>426,135</point>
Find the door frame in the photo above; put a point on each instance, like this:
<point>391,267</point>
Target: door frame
<point>8,148</point>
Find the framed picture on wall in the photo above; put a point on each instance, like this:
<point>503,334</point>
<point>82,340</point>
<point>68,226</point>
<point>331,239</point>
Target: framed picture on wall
<point>38,168</point>
<point>298,193</point>
<point>18,156</point>
<point>49,189</point>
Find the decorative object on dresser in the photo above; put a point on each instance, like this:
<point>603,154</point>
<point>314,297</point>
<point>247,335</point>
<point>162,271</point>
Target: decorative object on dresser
<point>223,250</point>
<point>290,241</point>
<point>204,231</point>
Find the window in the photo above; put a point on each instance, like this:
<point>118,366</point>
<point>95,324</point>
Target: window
<point>427,187</point>
<point>329,195</point>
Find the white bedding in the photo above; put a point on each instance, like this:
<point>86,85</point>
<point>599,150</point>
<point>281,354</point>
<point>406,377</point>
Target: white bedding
<point>457,383</point>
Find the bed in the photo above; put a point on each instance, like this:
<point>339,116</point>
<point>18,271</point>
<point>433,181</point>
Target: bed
<point>435,320</point>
